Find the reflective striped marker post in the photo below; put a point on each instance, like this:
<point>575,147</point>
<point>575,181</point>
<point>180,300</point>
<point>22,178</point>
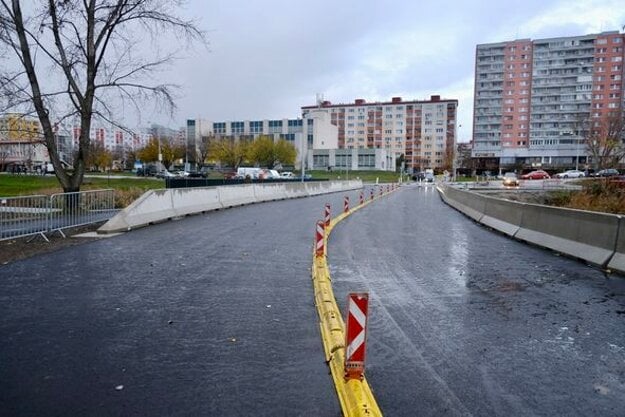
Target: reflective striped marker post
<point>381,191</point>
<point>362,198</point>
<point>372,194</point>
<point>327,215</point>
<point>319,239</point>
<point>356,335</point>
<point>346,205</point>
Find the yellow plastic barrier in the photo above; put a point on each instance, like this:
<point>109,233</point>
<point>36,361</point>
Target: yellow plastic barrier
<point>354,395</point>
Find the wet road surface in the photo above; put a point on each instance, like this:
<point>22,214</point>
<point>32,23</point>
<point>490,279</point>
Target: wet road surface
<point>211,315</point>
<point>467,322</point>
<point>214,315</point>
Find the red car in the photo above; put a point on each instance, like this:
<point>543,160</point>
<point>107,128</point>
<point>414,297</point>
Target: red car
<point>536,175</point>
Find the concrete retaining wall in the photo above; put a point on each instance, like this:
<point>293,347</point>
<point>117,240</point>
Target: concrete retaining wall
<point>598,238</point>
<point>159,205</point>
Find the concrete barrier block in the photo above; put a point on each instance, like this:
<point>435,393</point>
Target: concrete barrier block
<point>159,205</point>
<point>295,189</point>
<point>586,235</point>
<point>194,200</point>
<point>471,204</point>
<point>617,263</point>
<point>269,192</point>
<point>317,188</point>
<point>153,206</point>
<point>502,215</point>
<point>236,195</point>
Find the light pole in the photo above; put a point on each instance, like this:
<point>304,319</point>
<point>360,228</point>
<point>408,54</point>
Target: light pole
<point>301,144</point>
<point>577,155</point>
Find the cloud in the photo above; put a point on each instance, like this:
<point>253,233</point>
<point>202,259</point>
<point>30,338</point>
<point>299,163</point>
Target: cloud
<point>585,16</point>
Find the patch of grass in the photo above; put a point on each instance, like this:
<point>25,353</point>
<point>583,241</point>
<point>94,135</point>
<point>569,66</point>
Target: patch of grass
<point>597,195</point>
<point>365,176</point>
<point>15,185</point>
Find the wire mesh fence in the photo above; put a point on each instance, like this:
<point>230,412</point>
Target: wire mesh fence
<point>40,214</point>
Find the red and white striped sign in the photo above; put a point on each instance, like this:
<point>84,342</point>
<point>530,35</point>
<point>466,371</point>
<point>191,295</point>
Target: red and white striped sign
<point>362,198</point>
<point>346,204</point>
<point>327,215</point>
<point>319,239</point>
<point>355,335</point>
<point>381,190</point>
<point>372,194</point>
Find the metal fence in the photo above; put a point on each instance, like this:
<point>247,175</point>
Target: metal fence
<point>40,214</point>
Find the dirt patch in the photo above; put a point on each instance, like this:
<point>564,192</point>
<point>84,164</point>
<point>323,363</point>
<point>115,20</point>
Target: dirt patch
<point>12,250</point>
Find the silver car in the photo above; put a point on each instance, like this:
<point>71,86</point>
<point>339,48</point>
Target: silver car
<point>572,173</point>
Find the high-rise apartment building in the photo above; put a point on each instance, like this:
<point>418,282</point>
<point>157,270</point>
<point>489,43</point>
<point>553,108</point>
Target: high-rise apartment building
<point>423,131</point>
<point>536,100</point>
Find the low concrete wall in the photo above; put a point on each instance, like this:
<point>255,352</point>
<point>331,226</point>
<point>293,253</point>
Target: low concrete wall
<point>502,215</point>
<point>582,234</point>
<point>153,206</point>
<point>159,205</point>
<point>269,192</point>
<point>236,195</point>
<point>617,262</point>
<point>471,204</point>
<point>191,201</point>
<point>598,238</point>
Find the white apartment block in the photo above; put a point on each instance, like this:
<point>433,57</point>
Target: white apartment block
<point>423,131</point>
<point>315,130</point>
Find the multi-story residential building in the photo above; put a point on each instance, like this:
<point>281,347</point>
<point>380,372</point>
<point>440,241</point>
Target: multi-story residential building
<point>21,142</point>
<point>423,131</point>
<point>536,100</point>
<point>312,131</point>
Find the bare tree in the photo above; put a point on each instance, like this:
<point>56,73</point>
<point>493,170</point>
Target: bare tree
<point>82,55</point>
<point>203,148</point>
<point>605,140</point>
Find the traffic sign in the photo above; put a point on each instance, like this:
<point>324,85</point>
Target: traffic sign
<point>346,205</point>
<point>355,335</point>
<point>319,239</point>
<point>327,215</point>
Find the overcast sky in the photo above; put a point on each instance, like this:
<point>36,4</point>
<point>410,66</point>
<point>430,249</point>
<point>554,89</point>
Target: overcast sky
<point>268,58</point>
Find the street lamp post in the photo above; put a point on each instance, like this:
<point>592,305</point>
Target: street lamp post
<point>577,155</point>
<point>301,144</point>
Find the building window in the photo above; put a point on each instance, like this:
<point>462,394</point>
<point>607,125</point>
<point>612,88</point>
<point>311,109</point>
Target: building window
<point>321,161</point>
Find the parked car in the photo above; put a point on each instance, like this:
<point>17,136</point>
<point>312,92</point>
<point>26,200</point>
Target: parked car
<point>268,174</point>
<point>539,174</point>
<point>571,173</point>
<point>196,174</point>
<point>165,174</point>
<point>181,174</point>
<point>418,176</point>
<point>510,180</point>
<point>286,174</point>
<point>610,172</point>
<point>429,177</point>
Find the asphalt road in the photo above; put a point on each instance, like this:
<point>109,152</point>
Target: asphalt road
<point>214,315</point>
<point>467,322</point>
<point>211,315</point>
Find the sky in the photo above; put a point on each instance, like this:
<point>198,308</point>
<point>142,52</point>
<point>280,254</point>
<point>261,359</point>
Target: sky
<point>267,59</point>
